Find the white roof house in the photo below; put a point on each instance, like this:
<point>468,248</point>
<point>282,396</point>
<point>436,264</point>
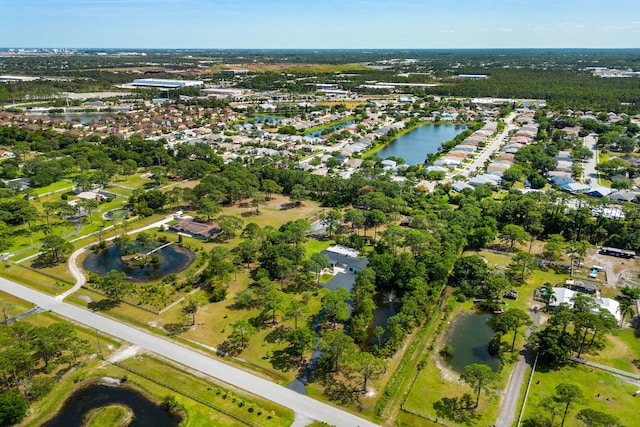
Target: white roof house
<point>564,295</point>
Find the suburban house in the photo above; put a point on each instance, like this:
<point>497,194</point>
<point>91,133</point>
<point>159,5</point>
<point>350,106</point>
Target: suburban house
<point>566,296</point>
<point>345,266</point>
<point>575,285</point>
<point>345,258</point>
<point>199,230</point>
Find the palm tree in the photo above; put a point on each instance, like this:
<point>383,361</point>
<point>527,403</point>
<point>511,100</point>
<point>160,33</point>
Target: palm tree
<point>625,308</point>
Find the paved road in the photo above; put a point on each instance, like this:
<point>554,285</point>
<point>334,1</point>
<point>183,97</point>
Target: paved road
<point>302,405</point>
<point>590,171</point>
<point>480,159</point>
<point>34,310</point>
<point>509,404</point>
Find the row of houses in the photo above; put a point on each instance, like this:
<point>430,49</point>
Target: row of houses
<point>467,147</point>
<point>505,158</point>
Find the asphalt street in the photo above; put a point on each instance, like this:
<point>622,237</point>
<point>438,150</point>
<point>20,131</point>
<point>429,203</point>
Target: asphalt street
<point>302,405</point>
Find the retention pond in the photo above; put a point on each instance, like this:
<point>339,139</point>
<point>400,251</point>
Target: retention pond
<point>414,146</point>
<point>95,396</point>
<point>469,335</point>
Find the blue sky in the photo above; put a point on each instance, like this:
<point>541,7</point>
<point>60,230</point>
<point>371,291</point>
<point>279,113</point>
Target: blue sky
<point>317,24</point>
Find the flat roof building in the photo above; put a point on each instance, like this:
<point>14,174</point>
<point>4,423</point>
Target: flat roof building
<point>166,83</point>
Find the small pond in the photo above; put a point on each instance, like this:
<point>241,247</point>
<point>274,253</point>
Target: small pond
<point>469,335</point>
<point>94,396</point>
<point>414,146</point>
<point>388,305</point>
<point>116,213</point>
<point>172,259</point>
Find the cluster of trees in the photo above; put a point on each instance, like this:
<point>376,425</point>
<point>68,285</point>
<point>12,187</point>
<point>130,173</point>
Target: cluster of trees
<point>28,356</point>
<point>575,89</point>
<point>97,161</point>
<point>573,331</point>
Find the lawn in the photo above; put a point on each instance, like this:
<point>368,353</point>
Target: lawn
<point>181,383</point>
<point>137,180</point>
<point>34,279</point>
<point>314,246</point>
<point>57,186</point>
<point>620,352</point>
<point>271,213</point>
<point>212,329</point>
<point>253,409</point>
<point>435,380</point>
<point>17,305</point>
<point>603,392</point>
<point>24,236</point>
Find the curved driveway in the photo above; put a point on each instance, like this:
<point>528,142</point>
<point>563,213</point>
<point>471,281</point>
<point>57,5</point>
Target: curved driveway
<point>303,405</point>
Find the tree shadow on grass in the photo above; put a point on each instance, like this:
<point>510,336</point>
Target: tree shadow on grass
<point>261,319</point>
<point>283,360</point>
<point>635,324</point>
<point>229,348</point>
<point>45,261</point>
<point>102,305</point>
<point>175,328</point>
<point>458,409</point>
<point>278,334</point>
<point>342,392</point>
<point>338,386</point>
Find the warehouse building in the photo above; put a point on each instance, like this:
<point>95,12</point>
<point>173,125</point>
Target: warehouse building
<point>165,83</point>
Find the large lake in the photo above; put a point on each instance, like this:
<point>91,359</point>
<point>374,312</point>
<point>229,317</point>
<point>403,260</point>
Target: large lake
<point>414,146</point>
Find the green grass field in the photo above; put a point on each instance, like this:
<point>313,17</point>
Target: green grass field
<point>57,186</point>
<point>603,392</point>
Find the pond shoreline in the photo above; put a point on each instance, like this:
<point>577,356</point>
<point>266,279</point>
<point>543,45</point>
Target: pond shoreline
<point>106,382</point>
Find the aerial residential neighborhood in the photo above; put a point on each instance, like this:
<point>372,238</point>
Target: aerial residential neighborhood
<point>210,219</point>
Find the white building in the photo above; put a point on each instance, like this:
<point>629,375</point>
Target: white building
<point>564,295</point>
<point>166,83</point>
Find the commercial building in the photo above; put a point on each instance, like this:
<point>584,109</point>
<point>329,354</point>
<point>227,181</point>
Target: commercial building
<point>223,92</point>
<point>165,83</point>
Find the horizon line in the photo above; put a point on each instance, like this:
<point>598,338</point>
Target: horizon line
<point>322,48</point>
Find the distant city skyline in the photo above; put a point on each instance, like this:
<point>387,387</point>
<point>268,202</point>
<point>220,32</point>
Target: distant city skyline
<point>319,24</point>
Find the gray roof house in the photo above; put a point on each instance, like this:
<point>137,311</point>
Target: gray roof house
<point>623,196</point>
<point>344,259</point>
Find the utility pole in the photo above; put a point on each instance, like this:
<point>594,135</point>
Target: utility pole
<point>99,347</point>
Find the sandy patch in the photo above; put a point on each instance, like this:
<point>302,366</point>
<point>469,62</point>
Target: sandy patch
<point>124,353</point>
<point>620,272</point>
<point>446,372</point>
